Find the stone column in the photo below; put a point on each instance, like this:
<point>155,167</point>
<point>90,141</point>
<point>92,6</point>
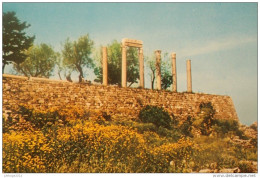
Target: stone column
<point>123,80</point>
<point>174,74</point>
<point>158,69</point>
<point>189,86</point>
<point>141,67</point>
<point>104,66</point>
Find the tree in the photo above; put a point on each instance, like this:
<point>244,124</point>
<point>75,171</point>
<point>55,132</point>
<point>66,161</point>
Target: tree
<point>59,64</point>
<point>166,76</point>
<point>76,55</point>
<point>151,65</point>
<point>114,56</point>
<point>15,42</point>
<point>39,63</point>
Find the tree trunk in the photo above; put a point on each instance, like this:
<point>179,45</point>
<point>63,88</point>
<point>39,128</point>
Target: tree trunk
<point>80,73</point>
<point>59,75</point>
<point>130,84</point>
<point>3,67</point>
<point>152,79</point>
<point>68,77</point>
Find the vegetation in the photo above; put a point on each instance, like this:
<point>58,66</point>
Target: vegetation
<point>40,60</point>
<point>71,139</point>
<point>76,140</point>
<point>39,63</point>
<point>76,55</point>
<point>151,65</point>
<point>114,56</point>
<point>166,75</point>
<point>15,41</point>
<point>155,115</point>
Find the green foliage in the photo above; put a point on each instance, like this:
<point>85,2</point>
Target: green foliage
<point>150,61</point>
<point>166,76</point>
<point>76,55</point>
<point>143,127</point>
<point>59,64</point>
<point>167,135</point>
<point>254,142</point>
<point>114,57</point>
<point>15,41</point>
<point>223,126</point>
<point>155,115</point>
<point>166,80</point>
<point>210,151</point>
<point>205,119</point>
<point>42,120</point>
<point>243,153</point>
<point>207,109</point>
<point>39,63</point>
<point>69,140</point>
<point>246,167</point>
<point>186,127</point>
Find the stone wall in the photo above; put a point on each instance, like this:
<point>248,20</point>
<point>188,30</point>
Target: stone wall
<point>45,93</point>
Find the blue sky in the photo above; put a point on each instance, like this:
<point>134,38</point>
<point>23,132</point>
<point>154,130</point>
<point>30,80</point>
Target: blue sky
<point>219,38</point>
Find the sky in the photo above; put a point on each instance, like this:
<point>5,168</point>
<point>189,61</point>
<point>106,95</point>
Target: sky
<point>220,39</point>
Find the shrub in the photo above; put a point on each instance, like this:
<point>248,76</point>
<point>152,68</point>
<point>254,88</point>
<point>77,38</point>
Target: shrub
<point>211,150</point>
<point>186,127</point>
<point>142,127</point>
<point>224,126</point>
<point>246,167</point>
<point>41,119</point>
<point>26,152</point>
<point>207,116</point>
<point>254,126</point>
<point>155,115</point>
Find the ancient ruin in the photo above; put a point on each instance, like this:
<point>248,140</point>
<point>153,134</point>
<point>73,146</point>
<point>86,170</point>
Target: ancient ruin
<point>139,44</point>
<point>45,93</point>
<point>158,69</point>
<point>104,65</point>
<point>189,87</point>
<point>132,43</point>
<point>174,73</point>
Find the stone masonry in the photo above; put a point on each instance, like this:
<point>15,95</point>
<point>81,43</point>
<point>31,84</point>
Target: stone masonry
<point>45,93</point>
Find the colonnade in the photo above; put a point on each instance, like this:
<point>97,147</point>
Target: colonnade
<point>139,44</point>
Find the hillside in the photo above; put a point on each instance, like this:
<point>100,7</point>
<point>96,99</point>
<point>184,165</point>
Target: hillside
<point>71,139</point>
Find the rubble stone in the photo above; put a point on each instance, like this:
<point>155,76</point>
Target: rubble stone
<point>52,93</point>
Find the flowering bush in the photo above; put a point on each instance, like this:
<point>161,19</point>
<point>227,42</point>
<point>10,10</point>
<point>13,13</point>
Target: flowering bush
<point>26,152</point>
<point>71,139</point>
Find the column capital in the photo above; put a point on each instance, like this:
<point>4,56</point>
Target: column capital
<point>173,55</point>
<point>158,51</point>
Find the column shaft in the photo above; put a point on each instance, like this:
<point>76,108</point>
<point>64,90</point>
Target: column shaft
<point>104,54</point>
<point>174,74</point>
<point>124,81</point>
<point>158,69</point>
<point>141,67</point>
<point>189,83</point>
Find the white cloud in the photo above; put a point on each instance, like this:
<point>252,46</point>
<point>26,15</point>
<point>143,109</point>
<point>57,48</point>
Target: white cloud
<point>216,45</point>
